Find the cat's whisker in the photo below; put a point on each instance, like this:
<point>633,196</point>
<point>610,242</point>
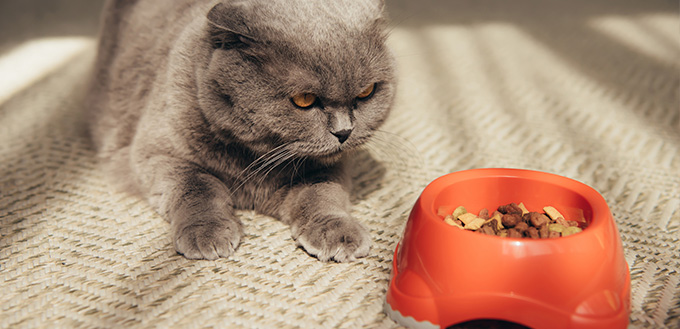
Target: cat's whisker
<point>259,162</point>
<point>263,157</point>
<point>256,173</point>
<point>269,159</point>
<point>285,156</point>
<point>296,168</point>
<point>273,160</point>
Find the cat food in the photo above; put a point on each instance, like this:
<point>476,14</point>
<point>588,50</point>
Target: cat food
<point>514,221</point>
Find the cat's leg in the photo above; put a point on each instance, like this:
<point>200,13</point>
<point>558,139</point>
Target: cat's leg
<point>197,204</point>
<point>318,215</point>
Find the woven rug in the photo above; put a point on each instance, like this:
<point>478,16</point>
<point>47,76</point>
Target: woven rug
<point>584,89</point>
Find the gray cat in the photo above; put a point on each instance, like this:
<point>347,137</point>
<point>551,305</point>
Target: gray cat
<point>205,106</point>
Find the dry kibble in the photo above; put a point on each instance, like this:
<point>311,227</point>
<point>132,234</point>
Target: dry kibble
<point>510,220</point>
<point>467,217</point>
<point>514,233</point>
<point>513,220</point>
<point>459,211</point>
<point>493,224</point>
<point>512,208</point>
<point>532,232</point>
<point>522,226</point>
<point>552,212</point>
<point>544,232</point>
<point>496,221</point>
<point>475,224</point>
<point>535,218</point>
<point>488,229</point>
<point>571,230</point>
<point>452,221</point>
<point>556,227</point>
<point>562,221</point>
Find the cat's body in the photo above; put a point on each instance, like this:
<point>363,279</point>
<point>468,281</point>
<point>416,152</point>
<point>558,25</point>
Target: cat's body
<point>196,106</point>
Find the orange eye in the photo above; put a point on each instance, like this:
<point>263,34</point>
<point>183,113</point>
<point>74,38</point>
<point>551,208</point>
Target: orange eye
<point>368,92</point>
<point>304,101</point>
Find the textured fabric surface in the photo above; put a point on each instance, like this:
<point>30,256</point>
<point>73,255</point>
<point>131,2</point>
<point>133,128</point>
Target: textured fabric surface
<point>584,89</point>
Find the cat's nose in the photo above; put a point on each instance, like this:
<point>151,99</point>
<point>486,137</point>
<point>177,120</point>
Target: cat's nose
<point>342,135</point>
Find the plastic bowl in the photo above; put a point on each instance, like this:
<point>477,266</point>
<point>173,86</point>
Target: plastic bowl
<point>443,276</point>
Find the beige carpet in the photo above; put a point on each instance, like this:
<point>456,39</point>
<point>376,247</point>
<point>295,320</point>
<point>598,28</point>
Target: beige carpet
<point>586,89</point>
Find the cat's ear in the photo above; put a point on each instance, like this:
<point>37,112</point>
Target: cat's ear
<point>227,28</point>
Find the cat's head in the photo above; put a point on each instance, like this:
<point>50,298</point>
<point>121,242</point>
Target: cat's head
<point>314,75</point>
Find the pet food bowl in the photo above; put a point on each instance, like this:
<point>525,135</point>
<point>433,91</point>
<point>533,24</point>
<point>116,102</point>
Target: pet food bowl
<point>443,275</point>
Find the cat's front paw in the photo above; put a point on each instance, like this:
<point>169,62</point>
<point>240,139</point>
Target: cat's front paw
<point>208,239</point>
<point>338,239</point>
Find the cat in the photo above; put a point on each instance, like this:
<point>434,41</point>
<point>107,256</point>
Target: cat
<point>204,107</point>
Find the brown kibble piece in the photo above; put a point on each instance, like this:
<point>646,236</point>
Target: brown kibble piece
<point>497,218</point>
<point>497,223</point>
<point>532,232</point>
<point>510,220</point>
<point>493,224</point>
<point>543,231</point>
<point>487,229</point>
<point>511,208</point>
<point>484,213</point>
<point>514,233</point>
<point>522,226</point>
<point>553,234</point>
<point>515,208</point>
<point>535,218</point>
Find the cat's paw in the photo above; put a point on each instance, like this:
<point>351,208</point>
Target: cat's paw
<point>338,239</point>
<point>208,239</point>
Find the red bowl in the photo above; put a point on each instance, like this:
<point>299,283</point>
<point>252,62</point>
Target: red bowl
<point>442,275</point>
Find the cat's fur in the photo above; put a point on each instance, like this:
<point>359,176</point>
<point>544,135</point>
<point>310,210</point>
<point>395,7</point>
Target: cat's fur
<point>191,105</point>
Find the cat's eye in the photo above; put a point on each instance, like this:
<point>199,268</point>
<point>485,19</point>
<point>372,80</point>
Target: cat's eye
<point>367,93</point>
<point>304,101</point>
